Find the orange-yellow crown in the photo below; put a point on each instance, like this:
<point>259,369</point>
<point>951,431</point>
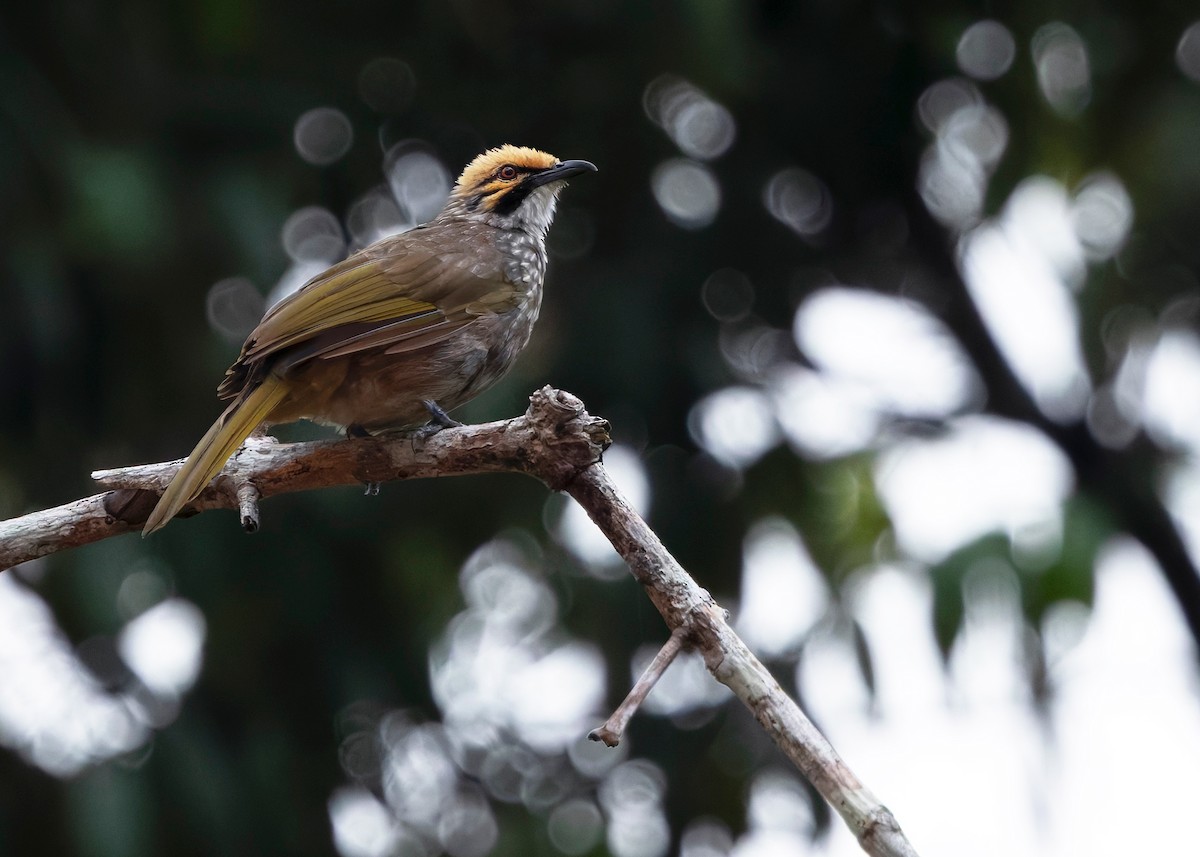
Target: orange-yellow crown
<point>482,174</point>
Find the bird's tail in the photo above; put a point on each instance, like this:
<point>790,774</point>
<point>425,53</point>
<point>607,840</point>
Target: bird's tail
<point>241,417</point>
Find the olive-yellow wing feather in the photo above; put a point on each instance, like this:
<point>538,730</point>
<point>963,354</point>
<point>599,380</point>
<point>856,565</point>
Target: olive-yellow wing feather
<point>397,293</point>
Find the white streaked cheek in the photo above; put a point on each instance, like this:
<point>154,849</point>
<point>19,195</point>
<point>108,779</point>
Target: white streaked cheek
<point>538,210</point>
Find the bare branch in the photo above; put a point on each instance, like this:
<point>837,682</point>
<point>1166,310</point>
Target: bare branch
<point>685,605</point>
<point>552,441</point>
<point>611,730</point>
<point>556,441</point>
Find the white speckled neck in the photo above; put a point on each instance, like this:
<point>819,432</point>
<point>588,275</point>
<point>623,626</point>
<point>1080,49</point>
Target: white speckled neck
<point>533,216</point>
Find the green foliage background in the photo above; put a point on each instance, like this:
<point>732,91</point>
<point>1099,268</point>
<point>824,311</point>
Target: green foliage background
<point>146,152</point>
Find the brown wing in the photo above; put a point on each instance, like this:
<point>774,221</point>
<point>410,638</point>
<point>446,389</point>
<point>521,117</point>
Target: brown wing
<point>398,294</point>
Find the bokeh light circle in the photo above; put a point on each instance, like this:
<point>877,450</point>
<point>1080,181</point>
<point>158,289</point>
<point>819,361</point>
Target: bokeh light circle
<point>1187,52</point>
<point>1063,68</point>
<point>687,192</point>
<point>418,180</point>
<point>1102,214</point>
<point>233,307</point>
<point>986,50</point>
<point>313,234</point>
<point>575,826</point>
<point>323,135</point>
<point>727,294</point>
<point>701,127</point>
<point>386,84</point>
<point>799,200</point>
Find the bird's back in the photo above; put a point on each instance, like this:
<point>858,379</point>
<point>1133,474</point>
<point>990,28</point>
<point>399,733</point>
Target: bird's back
<point>437,313</point>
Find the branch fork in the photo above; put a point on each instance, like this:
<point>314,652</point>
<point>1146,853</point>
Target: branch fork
<point>556,441</point>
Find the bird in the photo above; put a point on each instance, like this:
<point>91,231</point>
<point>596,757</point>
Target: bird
<point>402,331</point>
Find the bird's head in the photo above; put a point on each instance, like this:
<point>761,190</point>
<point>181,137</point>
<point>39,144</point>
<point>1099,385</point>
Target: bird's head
<point>513,186</point>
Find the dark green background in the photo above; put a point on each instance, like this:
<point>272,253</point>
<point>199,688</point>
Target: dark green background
<point>146,152</point>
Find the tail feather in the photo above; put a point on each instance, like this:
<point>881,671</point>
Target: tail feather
<point>219,442</point>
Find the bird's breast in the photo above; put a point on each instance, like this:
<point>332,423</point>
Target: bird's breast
<point>524,258</point>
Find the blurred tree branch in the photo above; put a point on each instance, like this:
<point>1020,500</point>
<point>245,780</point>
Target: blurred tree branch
<point>1122,480</point>
<point>556,441</point>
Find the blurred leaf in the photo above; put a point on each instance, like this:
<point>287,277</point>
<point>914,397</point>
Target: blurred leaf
<point>119,204</point>
<point>947,577</point>
<point>862,653</point>
<point>1071,574</point>
<point>832,503</point>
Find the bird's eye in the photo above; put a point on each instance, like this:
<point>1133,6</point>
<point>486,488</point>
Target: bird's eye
<point>508,172</point>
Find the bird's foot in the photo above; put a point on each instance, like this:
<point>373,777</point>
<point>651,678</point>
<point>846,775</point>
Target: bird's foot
<point>438,420</point>
<point>439,417</point>
<point>372,489</point>
<point>424,433</point>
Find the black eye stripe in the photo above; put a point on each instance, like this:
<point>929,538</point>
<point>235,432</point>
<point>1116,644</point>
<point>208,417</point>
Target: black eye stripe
<point>508,202</point>
<point>502,195</point>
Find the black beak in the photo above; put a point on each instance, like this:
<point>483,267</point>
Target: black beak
<point>559,172</point>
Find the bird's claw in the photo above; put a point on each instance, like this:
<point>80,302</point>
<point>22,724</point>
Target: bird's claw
<point>439,417</point>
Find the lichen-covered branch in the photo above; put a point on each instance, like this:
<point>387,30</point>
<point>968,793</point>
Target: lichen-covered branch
<point>556,441</point>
